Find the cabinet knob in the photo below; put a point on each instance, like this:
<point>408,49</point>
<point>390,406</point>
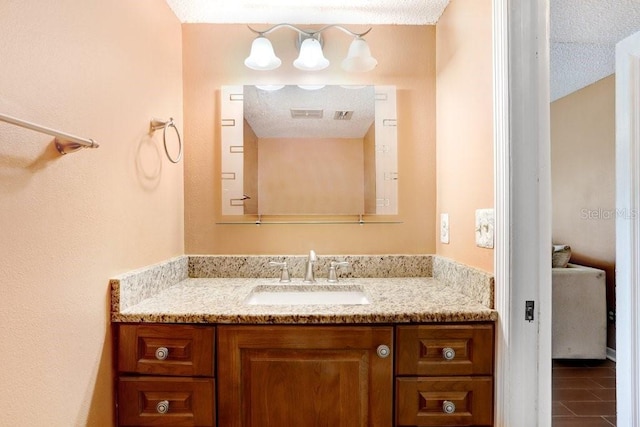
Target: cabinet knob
<point>448,353</point>
<point>448,407</point>
<point>162,407</point>
<point>162,353</point>
<point>383,351</point>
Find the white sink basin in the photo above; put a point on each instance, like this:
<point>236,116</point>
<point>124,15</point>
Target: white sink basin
<point>307,295</point>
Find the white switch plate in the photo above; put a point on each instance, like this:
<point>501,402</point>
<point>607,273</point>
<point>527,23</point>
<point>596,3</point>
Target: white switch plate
<point>444,228</point>
<point>484,228</point>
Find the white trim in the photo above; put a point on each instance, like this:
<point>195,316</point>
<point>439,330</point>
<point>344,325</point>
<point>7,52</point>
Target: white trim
<point>523,212</point>
<point>545,287</point>
<point>628,230</point>
<point>501,175</point>
<point>611,354</point>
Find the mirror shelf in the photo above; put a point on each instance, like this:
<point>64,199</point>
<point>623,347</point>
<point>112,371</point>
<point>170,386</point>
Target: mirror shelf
<point>308,220</point>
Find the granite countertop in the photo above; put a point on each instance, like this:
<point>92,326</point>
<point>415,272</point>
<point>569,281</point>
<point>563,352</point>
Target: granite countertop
<point>222,300</point>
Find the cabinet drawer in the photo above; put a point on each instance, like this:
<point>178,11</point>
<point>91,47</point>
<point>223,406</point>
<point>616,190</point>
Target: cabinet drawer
<point>444,350</point>
<point>180,350</point>
<point>158,401</point>
<point>444,401</point>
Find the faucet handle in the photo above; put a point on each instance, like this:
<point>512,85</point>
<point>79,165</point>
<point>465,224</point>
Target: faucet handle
<point>284,275</point>
<point>333,266</point>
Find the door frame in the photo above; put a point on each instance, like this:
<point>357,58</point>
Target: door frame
<point>522,191</point>
<point>628,230</point>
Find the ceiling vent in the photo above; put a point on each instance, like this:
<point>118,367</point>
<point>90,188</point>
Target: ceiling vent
<point>299,113</point>
<point>343,115</point>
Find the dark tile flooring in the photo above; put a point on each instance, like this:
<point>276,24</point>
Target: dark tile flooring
<point>584,393</point>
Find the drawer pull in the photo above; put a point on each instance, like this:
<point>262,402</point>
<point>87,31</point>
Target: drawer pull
<point>162,407</point>
<point>448,407</point>
<point>383,351</point>
<point>162,353</point>
<point>448,353</point>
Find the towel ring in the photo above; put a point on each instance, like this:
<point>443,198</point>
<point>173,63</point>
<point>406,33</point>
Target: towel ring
<point>156,124</point>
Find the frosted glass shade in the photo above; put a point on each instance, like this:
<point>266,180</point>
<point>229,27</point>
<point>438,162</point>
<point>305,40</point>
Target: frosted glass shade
<point>359,58</point>
<point>311,57</point>
<point>270,88</point>
<point>262,56</point>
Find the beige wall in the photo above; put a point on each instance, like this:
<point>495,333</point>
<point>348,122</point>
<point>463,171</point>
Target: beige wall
<point>464,126</point>
<point>583,178</point>
<point>214,55</point>
<point>100,70</point>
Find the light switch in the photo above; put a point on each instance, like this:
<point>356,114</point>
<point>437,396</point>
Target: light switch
<point>444,228</point>
<point>484,228</point>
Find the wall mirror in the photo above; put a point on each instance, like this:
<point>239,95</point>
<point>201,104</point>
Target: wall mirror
<point>303,151</point>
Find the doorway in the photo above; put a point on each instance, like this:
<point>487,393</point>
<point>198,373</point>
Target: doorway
<point>583,157</point>
<point>582,139</point>
<point>523,222</point>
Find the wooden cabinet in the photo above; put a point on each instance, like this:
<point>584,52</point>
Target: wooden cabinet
<point>165,375</point>
<point>275,376</point>
<point>444,375</point>
<point>304,375</point>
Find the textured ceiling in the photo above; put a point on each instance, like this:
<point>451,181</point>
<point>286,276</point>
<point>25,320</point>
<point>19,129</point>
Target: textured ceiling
<point>269,112</point>
<point>583,38</point>
<point>405,12</point>
<point>583,32</point>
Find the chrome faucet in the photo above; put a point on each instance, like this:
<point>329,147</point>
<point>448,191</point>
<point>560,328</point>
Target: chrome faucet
<point>308,271</point>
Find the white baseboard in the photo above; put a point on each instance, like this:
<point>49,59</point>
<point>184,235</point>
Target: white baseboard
<point>611,354</point>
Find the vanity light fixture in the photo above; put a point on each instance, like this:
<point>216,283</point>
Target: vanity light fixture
<point>311,57</point>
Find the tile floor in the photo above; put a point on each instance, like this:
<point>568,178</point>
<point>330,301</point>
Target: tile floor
<point>584,393</point>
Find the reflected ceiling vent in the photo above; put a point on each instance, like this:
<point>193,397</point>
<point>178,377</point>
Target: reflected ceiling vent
<point>343,115</point>
<point>299,113</point>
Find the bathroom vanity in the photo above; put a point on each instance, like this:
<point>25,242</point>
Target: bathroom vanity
<point>194,353</point>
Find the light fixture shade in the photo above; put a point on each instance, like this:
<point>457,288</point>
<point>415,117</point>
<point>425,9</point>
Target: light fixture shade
<point>359,58</point>
<point>270,88</point>
<point>262,56</point>
<point>311,57</point>
<point>311,87</point>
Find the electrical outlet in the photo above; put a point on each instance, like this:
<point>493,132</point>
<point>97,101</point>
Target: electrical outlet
<point>444,228</point>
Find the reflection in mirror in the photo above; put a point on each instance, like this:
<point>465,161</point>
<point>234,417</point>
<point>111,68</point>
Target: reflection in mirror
<point>326,150</point>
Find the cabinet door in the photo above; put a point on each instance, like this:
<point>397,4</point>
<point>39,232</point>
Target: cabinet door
<point>444,401</point>
<point>276,376</point>
<point>445,349</point>
<point>181,350</point>
<point>158,401</point>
